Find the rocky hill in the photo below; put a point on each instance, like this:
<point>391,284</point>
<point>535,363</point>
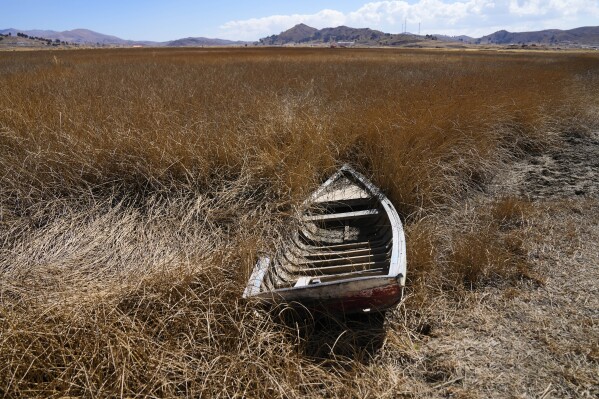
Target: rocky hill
<point>302,33</point>
<point>298,34</point>
<point>588,35</point>
<point>12,42</point>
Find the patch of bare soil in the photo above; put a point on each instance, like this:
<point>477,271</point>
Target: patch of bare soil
<point>569,170</point>
<point>539,339</point>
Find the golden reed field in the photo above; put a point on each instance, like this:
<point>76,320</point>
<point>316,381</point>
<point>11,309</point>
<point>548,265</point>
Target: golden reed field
<point>139,185</point>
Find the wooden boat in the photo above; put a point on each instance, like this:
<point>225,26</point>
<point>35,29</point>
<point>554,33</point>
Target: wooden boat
<point>348,253</point>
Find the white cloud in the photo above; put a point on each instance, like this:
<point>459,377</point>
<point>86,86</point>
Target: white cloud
<point>527,7</point>
<point>471,17</point>
<point>424,10</point>
<point>553,7</point>
<point>253,28</point>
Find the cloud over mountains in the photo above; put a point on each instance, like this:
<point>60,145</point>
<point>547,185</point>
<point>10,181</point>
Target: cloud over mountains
<point>471,17</point>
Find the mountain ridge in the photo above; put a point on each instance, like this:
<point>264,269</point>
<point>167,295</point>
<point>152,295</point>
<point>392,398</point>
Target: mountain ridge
<point>79,36</point>
<point>583,35</point>
<point>87,36</point>
<point>203,41</point>
<point>301,33</point>
<point>304,34</point>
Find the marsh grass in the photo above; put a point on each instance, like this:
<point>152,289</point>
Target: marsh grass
<point>138,186</point>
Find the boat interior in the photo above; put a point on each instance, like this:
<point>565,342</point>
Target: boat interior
<point>344,233</point>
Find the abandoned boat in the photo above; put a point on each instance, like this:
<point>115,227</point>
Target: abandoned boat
<point>348,253</point>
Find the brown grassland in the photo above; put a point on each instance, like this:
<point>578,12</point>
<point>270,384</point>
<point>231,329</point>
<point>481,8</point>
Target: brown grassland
<point>138,185</point>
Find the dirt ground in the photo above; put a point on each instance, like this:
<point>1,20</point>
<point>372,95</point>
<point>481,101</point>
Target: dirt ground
<point>539,339</point>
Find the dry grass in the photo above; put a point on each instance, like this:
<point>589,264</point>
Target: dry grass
<point>137,187</point>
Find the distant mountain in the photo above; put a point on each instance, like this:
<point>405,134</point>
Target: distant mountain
<point>203,41</point>
<point>345,33</point>
<point>460,38</point>
<point>299,33</point>
<point>302,33</point>
<point>86,36</point>
<point>588,35</point>
<point>26,42</point>
<point>80,36</point>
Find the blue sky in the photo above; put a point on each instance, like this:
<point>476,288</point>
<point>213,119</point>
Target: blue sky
<point>249,20</point>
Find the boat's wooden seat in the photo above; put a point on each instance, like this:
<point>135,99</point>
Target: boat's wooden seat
<point>342,216</point>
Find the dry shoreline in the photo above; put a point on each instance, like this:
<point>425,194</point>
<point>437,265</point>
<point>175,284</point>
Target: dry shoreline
<point>536,339</point>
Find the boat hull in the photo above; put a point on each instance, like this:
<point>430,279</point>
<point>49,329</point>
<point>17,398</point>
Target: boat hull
<point>355,296</point>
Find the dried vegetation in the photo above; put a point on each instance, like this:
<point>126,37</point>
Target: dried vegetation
<point>137,187</point>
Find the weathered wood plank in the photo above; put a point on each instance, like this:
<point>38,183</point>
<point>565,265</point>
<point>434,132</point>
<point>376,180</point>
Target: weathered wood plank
<point>341,216</point>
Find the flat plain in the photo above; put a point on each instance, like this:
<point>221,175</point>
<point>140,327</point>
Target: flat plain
<point>138,186</point>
